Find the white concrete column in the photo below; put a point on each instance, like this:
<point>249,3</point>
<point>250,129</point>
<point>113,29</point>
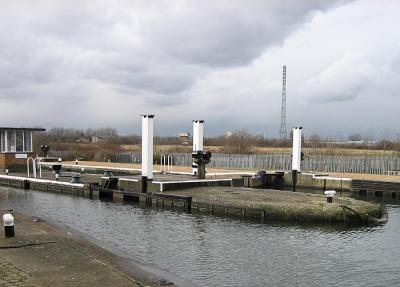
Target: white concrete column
<point>296,153</point>
<point>147,146</point>
<point>198,135</point>
<point>198,126</point>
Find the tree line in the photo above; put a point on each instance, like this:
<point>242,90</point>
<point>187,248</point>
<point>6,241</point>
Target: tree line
<point>240,141</point>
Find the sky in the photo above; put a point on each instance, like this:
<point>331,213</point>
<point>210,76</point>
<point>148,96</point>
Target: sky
<point>101,63</point>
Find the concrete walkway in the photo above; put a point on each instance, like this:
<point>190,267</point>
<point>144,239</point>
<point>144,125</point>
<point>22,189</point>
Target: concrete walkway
<point>10,275</point>
<point>42,254</point>
<point>186,169</point>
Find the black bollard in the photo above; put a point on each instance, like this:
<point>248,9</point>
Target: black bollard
<point>294,179</point>
<point>8,221</point>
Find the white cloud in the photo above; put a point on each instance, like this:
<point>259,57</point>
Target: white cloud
<point>342,75</point>
<point>104,63</point>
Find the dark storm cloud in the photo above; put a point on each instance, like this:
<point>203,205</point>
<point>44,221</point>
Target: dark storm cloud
<point>159,48</point>
<point>228,33</point>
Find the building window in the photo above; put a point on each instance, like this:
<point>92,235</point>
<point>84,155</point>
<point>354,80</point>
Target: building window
<point>2,141</point>
<point>19,141</point>
<point>11,145</point>
<point>28,141</point>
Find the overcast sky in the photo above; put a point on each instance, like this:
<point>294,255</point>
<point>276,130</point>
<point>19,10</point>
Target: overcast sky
<point>104,63</point>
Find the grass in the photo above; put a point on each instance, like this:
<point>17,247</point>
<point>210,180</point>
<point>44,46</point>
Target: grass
<point>269,150</point>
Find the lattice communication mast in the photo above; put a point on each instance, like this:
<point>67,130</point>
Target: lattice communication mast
<point>282,131</point>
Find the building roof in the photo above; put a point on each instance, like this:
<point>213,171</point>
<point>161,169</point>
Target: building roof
<point>22,129</point>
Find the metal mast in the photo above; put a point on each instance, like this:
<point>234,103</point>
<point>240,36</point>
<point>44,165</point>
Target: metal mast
<point>282,131</point>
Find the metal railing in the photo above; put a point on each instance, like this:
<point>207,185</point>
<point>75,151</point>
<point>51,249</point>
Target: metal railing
<point>317,163</point>
<point>166,163</point>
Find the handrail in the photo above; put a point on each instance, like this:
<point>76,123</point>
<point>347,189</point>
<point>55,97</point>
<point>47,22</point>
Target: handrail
<point>33,166</point>
<point>39,159</point>
<point>169,162</point>
<point>163,162</point>
<point>35,163</point>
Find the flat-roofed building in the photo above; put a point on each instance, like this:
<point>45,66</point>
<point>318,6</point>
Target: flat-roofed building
<point>184,138</point>
<point>15,146</point>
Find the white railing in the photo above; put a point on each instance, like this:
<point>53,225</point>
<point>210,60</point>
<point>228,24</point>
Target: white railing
<point>166,163</point>
<point>35,164</point>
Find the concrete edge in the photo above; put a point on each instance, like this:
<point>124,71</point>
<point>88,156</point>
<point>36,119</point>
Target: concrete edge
<point>127,264</point>
<point>81,185</point>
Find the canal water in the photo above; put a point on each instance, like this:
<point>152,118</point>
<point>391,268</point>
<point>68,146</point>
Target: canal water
<point>213,251</point>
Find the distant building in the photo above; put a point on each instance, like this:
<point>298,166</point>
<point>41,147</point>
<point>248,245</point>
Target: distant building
<point>15,146</point>
<point>96,139</point>
<point>82,140</point>
<point>184,138</point>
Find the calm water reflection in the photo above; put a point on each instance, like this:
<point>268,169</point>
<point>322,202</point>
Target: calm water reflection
<point>213,251</point>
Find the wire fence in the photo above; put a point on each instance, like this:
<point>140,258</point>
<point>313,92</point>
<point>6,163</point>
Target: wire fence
<point>319,163</point>
<point>128,157</point>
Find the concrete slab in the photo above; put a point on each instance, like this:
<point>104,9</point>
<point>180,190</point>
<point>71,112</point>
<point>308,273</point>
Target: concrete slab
<point>284,205</point>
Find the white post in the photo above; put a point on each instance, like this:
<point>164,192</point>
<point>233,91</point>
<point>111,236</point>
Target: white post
<point>198,126</point>
<point>296,155</point>
<point>296,158</point>
<point>198,132</point>
<point>147,146</point>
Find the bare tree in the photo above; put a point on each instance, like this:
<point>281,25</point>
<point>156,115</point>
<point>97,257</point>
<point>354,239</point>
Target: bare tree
<point>239,142</point>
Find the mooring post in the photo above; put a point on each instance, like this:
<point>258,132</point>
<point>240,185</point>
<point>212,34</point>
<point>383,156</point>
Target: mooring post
<point>329,195</point>
<point>8,221</point>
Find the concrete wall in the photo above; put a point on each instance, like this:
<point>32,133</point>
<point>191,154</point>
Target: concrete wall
<point>312,181</point>
<point>129,185</point>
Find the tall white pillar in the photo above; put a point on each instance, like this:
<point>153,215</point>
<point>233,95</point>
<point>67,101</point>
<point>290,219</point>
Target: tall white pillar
<point>147,146</point>
<point>198,126</point>
<point>198,133</point>
<point>296,153</point>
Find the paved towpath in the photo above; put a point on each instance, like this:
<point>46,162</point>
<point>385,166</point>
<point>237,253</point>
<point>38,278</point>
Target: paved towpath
<point>42,254</point>
<point>10,275</point>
